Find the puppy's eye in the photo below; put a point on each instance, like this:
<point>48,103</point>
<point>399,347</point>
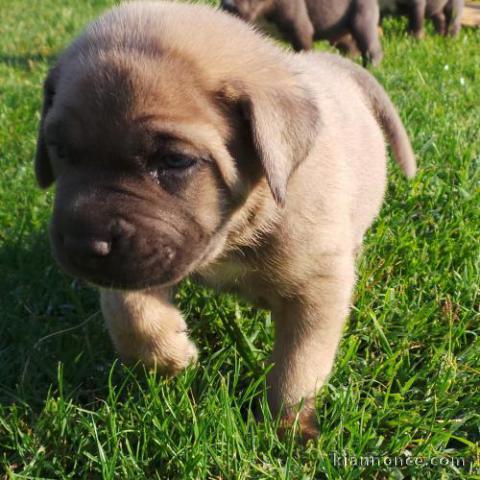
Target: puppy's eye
<point>170,164</point>
<point>176,161</point>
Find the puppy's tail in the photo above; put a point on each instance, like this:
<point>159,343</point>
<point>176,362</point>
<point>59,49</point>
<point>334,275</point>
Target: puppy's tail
<point>388,118</point>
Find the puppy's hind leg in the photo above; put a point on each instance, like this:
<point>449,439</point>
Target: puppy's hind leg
<point>308,330</point>
<point>296,26</point>
<point>440,23</point>
<point>364,26</point>
<point>145,326</point>
<point>346,44</point>
<point>416,18</point>
<point>453,15</point>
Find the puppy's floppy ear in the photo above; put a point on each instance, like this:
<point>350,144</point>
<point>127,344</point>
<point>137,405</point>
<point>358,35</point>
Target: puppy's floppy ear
<point>43,167</point>
<point>284,121</point>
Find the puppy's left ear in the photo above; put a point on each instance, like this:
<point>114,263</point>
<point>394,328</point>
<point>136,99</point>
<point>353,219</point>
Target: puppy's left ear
<point>284,121</point>
<point>43,167</point>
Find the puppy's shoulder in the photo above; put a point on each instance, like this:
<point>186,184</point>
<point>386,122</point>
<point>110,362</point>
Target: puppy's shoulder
<point>329,75</point>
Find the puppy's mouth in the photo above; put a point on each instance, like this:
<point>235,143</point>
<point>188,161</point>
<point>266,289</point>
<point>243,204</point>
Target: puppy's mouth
<point>127,263</point>
<point>126,273</point>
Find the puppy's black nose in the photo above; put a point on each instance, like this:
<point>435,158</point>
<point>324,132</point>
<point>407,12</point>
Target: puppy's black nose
<point>87,246</point>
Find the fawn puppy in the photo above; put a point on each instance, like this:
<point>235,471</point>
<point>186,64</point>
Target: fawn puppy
<point>184,143</point>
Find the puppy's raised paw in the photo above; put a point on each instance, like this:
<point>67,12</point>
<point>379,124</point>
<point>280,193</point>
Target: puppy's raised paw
<point>168,355</point>
<point>146,327</point>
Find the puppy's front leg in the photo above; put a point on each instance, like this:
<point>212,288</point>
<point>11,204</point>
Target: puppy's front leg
<point>145,326</point>
<point>308,330</point>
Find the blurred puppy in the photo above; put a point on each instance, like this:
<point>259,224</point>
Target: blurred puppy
<point>445,14</point>
<point>184,143</point>
<point>303,21</point>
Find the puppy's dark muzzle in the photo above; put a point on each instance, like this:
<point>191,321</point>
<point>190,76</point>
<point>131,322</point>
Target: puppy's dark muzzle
<point>112,255</point>
<point>117,235</point>
<point>88,241</point>
<point>87,247</point>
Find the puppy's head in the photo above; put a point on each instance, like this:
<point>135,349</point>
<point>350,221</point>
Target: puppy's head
<point>154,147</point>
<point>249,10</point>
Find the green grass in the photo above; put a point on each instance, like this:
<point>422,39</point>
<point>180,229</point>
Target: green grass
<point>407,379</point>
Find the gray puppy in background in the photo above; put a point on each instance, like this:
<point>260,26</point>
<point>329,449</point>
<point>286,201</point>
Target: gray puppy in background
<point>303,21</point>
<point>184,144</point>
<point>445,14</point>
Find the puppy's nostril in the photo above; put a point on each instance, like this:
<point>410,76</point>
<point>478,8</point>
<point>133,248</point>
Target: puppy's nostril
<point>87,246</point>
<point>101,247</point>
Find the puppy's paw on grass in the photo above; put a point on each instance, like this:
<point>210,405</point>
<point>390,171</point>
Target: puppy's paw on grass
<point>169,356</point>
<point>300,422</point>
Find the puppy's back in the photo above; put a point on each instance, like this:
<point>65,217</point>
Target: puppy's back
<point>379,103</point>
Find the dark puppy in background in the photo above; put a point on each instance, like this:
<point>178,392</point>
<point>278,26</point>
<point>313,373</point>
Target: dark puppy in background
<point>183,143</point>
<point>303,21</point>
<point>445,14</point>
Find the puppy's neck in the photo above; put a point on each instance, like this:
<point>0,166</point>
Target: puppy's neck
<point>254,221</point>
<point>248,228</point>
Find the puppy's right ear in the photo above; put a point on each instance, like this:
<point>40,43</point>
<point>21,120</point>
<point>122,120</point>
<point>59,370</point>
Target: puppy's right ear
<point>43,167</point>
<point>283,121</point>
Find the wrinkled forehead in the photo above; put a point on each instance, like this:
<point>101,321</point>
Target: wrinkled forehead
<point>99,98</point>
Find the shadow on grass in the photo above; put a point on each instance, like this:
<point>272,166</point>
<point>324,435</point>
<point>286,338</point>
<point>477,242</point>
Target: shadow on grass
<point>46,319</point>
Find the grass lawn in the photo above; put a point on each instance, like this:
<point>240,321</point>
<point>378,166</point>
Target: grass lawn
<point>407,379</point>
